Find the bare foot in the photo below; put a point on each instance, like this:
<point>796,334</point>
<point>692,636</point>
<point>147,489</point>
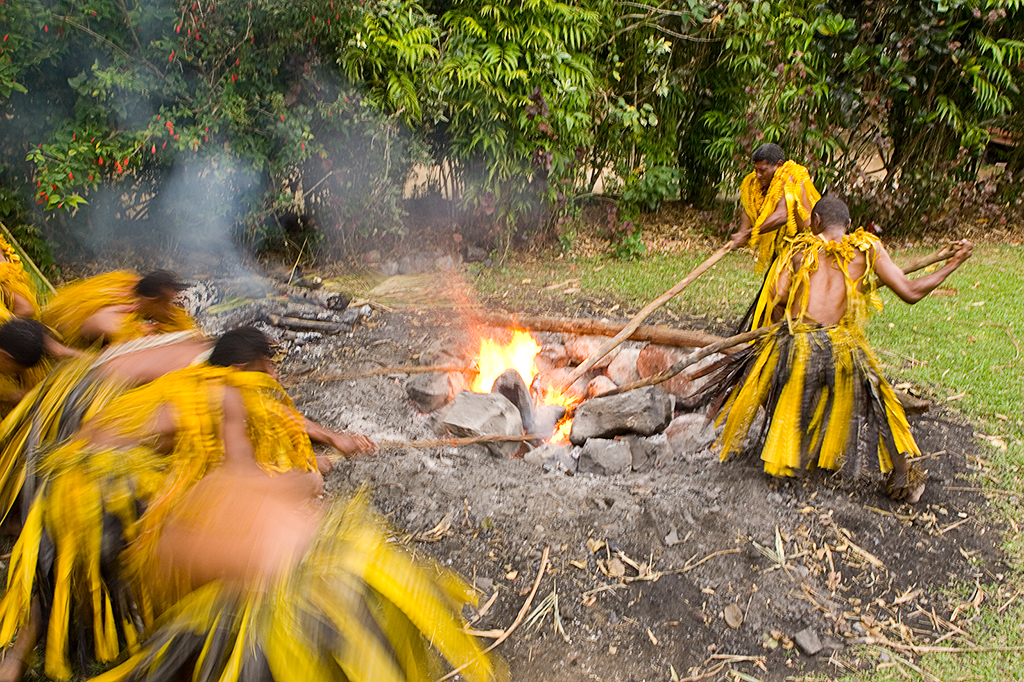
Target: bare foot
<point>15,662</point>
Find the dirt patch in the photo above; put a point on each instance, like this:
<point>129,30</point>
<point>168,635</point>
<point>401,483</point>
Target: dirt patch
<point>638,596</point>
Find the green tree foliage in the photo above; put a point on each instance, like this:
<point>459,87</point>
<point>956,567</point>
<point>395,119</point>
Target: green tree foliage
<point>296,123</point>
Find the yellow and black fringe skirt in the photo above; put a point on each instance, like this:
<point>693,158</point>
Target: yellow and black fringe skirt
<point>354,608</point>
<point>826,402</point>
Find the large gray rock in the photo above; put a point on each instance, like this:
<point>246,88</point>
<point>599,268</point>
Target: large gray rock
<point>429,391</point>
<point>645,411</point>
<point>622,370</point>
<point>690,434</point>
<point>546,418</point>
<point>649,451</point>
<point>605,457</point>
<point>546,454</point>
<point>485,414</point>
<point>511,385</point>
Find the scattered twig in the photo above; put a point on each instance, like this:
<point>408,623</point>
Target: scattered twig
<point>515,623</point>
<point>689,567</point>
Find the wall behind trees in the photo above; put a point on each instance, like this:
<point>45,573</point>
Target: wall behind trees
<point>288,125</point>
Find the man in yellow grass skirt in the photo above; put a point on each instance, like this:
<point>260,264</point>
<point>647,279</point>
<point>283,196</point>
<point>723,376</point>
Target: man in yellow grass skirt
<point>826,401</point>
<point>116,306</point>
<point>777,198</point>
<point>232,566</point>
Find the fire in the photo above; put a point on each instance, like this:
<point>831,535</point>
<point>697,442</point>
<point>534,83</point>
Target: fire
<point>494,359</point>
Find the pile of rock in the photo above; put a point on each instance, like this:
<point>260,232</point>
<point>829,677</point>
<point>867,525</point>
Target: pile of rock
<point>632,431</point>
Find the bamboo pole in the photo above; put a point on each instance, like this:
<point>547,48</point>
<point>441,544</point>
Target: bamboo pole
<point>26,259</point>
<point>695,357</point>
<point>614,342</point>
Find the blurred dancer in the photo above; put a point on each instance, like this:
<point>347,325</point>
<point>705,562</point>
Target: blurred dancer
<point>116,306</point>
<point>154,440</point>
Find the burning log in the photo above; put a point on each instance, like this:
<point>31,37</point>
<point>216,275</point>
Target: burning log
<point>666,336</point>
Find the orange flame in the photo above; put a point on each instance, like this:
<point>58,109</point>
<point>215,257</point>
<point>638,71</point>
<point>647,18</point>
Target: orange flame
<point>494,359</point>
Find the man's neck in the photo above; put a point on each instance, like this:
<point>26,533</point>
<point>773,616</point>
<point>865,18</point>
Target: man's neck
<point>833,233</point>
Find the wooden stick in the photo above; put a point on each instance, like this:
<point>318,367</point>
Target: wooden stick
<point>522,614</point>
<point>443,442</point>
<point>694,357</point>
<point>380,371</point>
<point>710,556</point>
<point>665,336</point>
<point>613,343</point>
<point>945,253</point>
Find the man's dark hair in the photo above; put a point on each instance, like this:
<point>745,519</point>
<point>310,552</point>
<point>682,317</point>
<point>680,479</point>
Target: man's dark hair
<point>24,340</point>
<point>157,282</point>
<point>832,211</point>
<point>240,346</point>
<point>770,152</point>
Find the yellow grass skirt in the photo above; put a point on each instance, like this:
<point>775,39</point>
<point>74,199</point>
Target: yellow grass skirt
<point>826,402</point>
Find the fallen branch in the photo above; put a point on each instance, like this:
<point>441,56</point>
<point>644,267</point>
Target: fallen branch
<point>519,618</point>
<point>300,324</point>
<point>613,343</point>
<point>695,357</point>
<point>665,336</point>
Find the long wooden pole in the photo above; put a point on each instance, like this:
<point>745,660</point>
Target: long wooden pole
<point>945,253</point>
<point>695,357</point>
<point>612,343</point>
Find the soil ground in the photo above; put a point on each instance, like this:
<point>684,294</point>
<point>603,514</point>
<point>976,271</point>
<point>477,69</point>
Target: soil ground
<point>857,567</point>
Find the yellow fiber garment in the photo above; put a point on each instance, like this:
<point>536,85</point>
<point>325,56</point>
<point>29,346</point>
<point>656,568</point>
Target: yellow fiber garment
<point>861,295</point>
<point>75,303</point>
<point>790,181</point>
<point>827,403</point>
<point>14,281</point>
<point>81,487</point>
<point>355,607</point>
<point>50,412</point>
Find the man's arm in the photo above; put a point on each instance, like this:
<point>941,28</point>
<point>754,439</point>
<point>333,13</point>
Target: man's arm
<point>913,290</point>
<point>346,443</point>
<point>777,218</point>
<point>22,307</point>
<point>742,235</point>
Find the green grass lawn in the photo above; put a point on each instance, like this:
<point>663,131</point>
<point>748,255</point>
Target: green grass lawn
<point>962,347</point>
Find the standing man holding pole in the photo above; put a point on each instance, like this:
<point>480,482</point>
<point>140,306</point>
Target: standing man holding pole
<point>777,199</point>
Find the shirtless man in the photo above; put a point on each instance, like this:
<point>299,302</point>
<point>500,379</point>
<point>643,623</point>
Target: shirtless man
<point>827,403</point>
<point>24,346</point>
